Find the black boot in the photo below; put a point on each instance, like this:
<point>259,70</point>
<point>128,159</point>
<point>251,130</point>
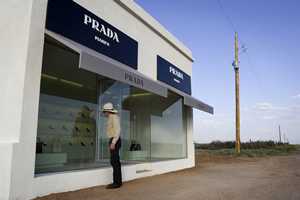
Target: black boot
<point>113,186</point>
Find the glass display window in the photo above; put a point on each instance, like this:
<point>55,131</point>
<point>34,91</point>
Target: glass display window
<point>71,127</point>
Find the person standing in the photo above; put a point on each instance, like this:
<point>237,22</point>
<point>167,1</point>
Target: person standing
<point>113,130</point>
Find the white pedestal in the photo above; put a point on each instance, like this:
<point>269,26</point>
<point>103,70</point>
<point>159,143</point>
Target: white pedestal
<point>137,155</point>
<point>50,160</point>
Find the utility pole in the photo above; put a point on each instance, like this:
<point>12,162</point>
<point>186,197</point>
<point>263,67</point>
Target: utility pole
<point>237,95</point>
<point>279,134</point>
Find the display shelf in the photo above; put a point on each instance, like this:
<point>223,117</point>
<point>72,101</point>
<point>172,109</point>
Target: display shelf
<point>66,127</point>
<point>67,119</point>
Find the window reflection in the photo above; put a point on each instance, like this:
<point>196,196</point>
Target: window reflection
<point>67,112</point>
<point>71,130</point>
<point>168,129</point>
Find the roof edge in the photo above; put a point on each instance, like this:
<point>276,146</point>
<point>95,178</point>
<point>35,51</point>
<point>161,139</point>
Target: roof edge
<point>138,12</point>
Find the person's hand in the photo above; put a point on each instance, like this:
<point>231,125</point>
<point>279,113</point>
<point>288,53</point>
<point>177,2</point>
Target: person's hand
<point>112,146</point>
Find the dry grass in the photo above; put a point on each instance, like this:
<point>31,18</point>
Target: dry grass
<point>260,152</point>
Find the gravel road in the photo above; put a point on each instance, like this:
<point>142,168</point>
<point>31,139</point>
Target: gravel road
<point>264,178</point>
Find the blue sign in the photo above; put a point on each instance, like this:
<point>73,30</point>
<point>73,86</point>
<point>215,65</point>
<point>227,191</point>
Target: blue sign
<point>172,75</point>
<point>69,19</point>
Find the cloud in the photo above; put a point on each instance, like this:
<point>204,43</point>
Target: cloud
<point>271,112</point>
<point>268,107</point>
<point>296,96</point>
<point>259,121</point>
<point>269,117</point>
<point>264,106</point>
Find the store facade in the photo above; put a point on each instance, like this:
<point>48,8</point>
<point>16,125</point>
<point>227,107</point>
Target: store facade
<point>79,55</point>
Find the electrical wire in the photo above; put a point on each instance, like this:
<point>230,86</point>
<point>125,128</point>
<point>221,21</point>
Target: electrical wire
<point>226,16</point>
<point>244,48</point>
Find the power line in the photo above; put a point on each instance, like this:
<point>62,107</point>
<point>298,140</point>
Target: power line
<point>244,47</point>
<point>231,24</point>
<point>226,16</point>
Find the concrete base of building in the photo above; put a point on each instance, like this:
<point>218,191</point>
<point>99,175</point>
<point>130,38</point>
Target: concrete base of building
<point>75,180</point>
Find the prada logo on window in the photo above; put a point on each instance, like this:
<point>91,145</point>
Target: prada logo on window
<point>134,79</point>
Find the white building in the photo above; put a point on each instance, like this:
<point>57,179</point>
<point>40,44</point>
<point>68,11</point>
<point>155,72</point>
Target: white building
<point>60,62</point>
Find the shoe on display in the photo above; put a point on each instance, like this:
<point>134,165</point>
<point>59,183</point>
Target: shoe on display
<point>51,127</point>
<point>43,110</point>
<point>65,128</point>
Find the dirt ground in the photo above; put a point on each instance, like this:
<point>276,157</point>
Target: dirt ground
<point>215,177</point>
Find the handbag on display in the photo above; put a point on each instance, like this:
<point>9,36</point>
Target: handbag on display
<point>135,146</point>
<point>39,146</point>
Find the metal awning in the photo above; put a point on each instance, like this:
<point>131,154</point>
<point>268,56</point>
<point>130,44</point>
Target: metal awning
<point>103,65</point>
<point>116,71</point>
<point>195,103</point>
<point>100,64</point>
<point>188,100</point>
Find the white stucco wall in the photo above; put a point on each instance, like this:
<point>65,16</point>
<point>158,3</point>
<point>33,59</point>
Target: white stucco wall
<point>14,19</point>
<point>22,25</point>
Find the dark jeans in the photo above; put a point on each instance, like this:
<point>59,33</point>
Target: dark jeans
<point>115,162</point>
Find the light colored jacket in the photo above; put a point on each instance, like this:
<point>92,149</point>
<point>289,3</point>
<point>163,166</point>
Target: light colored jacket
<point>113,128</point>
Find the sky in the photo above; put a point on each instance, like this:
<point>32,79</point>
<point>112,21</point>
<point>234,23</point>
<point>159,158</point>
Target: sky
<point>269,69</point>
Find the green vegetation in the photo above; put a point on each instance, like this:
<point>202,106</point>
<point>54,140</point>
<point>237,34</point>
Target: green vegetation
<point>249,149</point>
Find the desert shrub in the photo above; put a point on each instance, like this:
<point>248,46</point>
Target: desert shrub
<point>214,145</point>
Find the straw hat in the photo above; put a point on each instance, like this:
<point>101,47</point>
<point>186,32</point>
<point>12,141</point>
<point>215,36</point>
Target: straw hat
<point>108,107</point>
